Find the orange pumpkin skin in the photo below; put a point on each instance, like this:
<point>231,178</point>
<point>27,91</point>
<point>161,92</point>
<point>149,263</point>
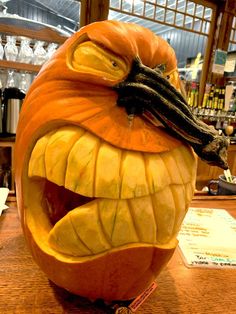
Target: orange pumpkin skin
<point>63,95</point>
<point>117,276</point>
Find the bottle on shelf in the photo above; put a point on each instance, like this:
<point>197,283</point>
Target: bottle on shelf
<point>232,102</point>
<point>193,95</point>
<point>215,97</point>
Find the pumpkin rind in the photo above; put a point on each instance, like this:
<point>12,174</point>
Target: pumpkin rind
<point>72,135</point>
<point>117,276</point>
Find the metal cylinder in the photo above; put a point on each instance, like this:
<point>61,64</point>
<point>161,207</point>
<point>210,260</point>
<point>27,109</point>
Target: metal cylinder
<point>12,115</point>
<point>12,99</point>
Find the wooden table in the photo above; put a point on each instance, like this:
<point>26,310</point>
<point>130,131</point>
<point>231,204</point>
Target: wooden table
<point>25,289</point>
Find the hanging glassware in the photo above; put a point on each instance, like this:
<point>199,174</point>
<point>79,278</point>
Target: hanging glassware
<point>1,49</point>
<point>10,49</point>
<point>26,52</point>
<point>24,82</point>
<point>11,79</point>
<point>52,47</point>
<point>40,53</point>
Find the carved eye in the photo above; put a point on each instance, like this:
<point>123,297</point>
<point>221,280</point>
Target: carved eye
<point>114,63</point>
<point>90,57</point>
<point>167,77</point>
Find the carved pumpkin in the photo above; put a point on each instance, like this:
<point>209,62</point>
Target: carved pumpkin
<point>102,185</point>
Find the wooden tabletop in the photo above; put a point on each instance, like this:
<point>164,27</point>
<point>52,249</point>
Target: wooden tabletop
<point>25,289</point>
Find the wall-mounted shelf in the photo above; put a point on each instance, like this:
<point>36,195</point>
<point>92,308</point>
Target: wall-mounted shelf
<point>44,34</point>
<point>4,64</point>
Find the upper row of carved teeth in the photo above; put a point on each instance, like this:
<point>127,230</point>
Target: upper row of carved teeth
<point>83,163</point>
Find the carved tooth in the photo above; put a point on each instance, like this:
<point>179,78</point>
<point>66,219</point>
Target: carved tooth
<point>117,222</point>
<point>107,177</point>
<point>165,218</point>
<point>57,151</point>
<point>64,238</point>
<point>133,176</point>
<point>81,165</point>
<point>178,192</point>
<point>157,173</point>
<point>144,218</point>
<point>37,160</point>
<point>82,225</point>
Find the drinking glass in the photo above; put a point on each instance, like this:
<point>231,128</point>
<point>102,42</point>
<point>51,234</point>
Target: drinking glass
<point>24,82</point>
<point>10,49</point>
<point>11,79</point>
<point>1,49</point>
<point>52,47</point>
<point>40,53</point>
<point>26,52</point>
<point>229,130</point>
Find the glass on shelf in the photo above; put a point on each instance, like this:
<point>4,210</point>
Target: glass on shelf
<point>229,129</point>
<point>40,53</point>
<point>10,49</point>
<point>11,79</point>
<point>1,49</point>
<point>26,52</point>
<point>24,82</point>
<point>52,47</point>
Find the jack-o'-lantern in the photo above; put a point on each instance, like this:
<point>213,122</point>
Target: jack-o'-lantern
<point>104,168</point>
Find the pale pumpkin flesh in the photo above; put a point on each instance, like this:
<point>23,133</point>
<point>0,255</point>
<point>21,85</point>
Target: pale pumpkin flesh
<point>101,197</point>
<point>129,197</point>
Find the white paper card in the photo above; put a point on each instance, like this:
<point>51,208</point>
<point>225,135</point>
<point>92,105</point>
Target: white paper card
<point>3,197</point>
<point>229,66</point>
<point>208,238</point>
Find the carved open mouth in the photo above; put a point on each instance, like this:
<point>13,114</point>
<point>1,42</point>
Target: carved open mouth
<point>87,197</point>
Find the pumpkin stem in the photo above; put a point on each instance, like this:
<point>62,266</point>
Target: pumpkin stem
<point>147,93</point>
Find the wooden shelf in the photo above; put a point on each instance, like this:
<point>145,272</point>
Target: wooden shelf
<point>7,138</point>
<point>4,64</point>
<point>44,34</point>
<point>230,78</point>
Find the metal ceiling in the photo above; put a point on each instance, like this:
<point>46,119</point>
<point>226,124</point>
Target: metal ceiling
<point>61,14</point>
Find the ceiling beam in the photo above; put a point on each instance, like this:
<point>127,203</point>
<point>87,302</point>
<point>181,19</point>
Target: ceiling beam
<point>93,10</point>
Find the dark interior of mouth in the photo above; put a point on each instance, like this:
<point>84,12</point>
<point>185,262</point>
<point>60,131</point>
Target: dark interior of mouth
<point>58,201</point>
